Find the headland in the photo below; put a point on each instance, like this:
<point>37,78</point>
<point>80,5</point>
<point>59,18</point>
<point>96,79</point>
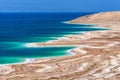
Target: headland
<point>97,56</point>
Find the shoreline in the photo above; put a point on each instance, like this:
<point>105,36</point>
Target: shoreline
<point>97,56</point>
<point>29,60</point>
<point>33,60</point>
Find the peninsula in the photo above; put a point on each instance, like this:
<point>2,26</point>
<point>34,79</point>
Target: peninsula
<point>97,56</point>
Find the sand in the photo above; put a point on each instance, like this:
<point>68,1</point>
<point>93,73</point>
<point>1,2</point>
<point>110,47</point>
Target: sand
<point>97,56</point>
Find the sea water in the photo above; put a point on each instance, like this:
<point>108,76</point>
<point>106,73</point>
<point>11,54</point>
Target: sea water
<point>17,29</point>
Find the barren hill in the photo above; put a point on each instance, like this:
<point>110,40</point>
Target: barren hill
<point>103,17</point>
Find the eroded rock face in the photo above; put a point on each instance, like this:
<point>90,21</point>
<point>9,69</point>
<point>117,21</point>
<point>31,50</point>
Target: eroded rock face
<point>97,55</point>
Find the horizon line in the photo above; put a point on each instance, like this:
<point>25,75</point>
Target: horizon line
<point>47,12</point>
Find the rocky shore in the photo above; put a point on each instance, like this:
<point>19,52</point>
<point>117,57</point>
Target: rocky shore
<point>97,55</point>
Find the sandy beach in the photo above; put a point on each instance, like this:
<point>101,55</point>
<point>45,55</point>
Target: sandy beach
<point>97,56</point>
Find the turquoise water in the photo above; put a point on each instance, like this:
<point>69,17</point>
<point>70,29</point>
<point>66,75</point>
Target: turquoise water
<point>17,29</point>
<point>22,53</point>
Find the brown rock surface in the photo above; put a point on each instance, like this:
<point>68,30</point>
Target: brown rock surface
<point>108,17</point>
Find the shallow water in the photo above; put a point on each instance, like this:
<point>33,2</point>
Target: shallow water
<point>21,54</point>
<point>17,29</point>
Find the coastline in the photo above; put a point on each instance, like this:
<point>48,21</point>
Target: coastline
<point>70,52</point>
<point>97,57</point>
<point>34,60</point>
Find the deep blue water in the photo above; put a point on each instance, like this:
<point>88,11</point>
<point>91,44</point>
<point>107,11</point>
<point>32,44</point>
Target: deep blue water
<point>17,29</point>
